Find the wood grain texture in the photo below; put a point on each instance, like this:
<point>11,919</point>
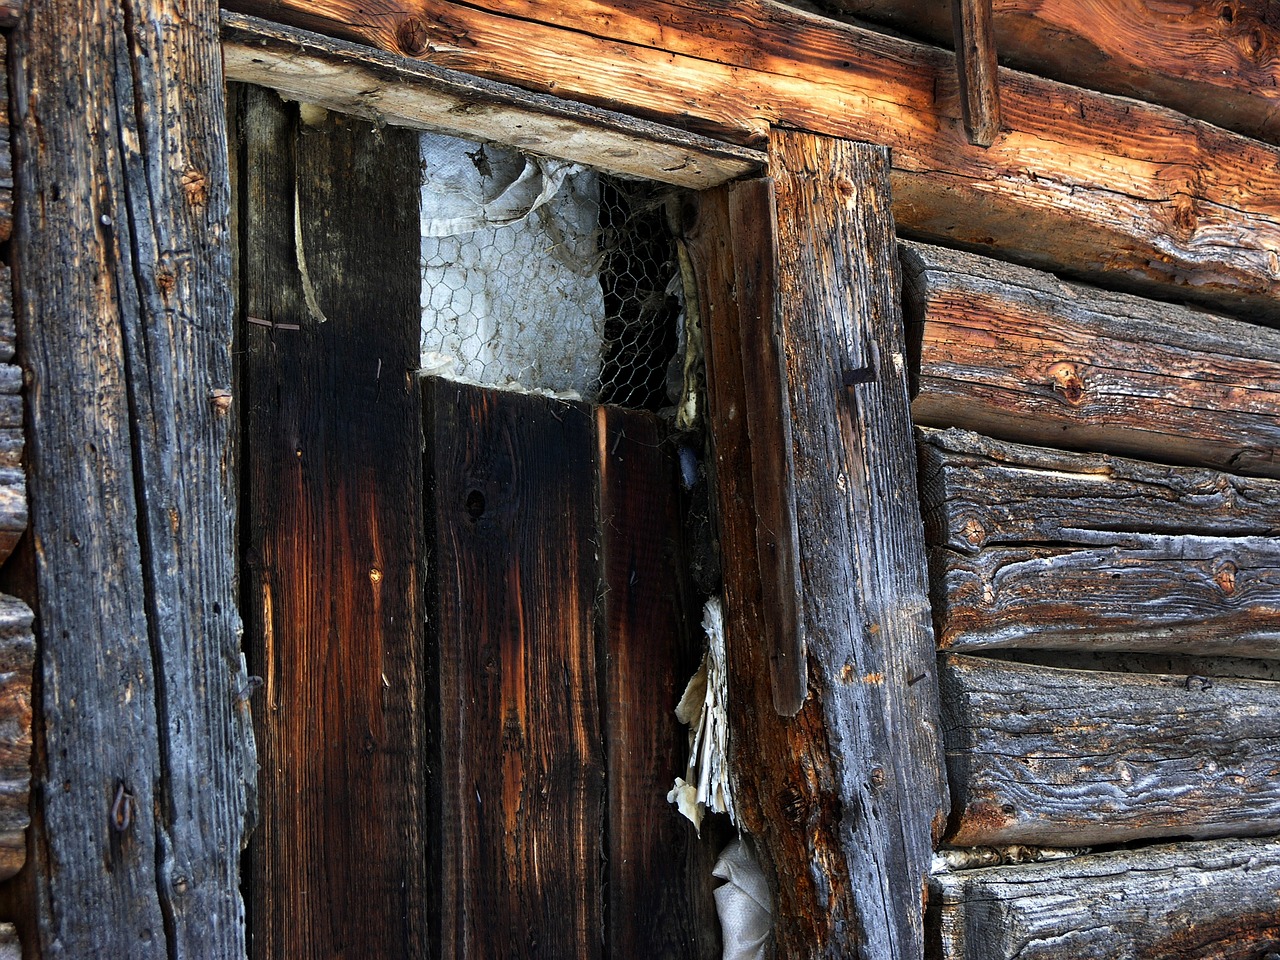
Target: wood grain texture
<point>521,761</point>
<point>13,478</point>
<point>387,88</point>
<point>6,153</point>
<point>865,601</point>
<point>658,880</point>
<point>1020,355</point>
<point>785,790</point>
<point>977,492</point>
<point>1180,594</point>
<point>125,318</point>
<point>1144,195</point>
<point>17,658</point>
<point>753,224</point>
<point>1207,901</point>
<point>1218,61</point>
<point>334,534</point>
<point>1056,757</point>
<point>975,46</point>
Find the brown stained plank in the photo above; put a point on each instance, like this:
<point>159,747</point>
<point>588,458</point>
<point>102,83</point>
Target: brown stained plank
<point>1057,757</point>
<point>652,644</point>
<point>754,228</point>
<point>1218,60</point>
<point>125,323</point>
<point>978,492</point>
<point>1143,195</point>
<point>521,762</point>
<point>1156,594</point>
<point>975,47</point>
<point>1186,901</point>
<point>1020,355</point>
<point>786,789</point>
<point>387,88</point>
<point>334,535</point>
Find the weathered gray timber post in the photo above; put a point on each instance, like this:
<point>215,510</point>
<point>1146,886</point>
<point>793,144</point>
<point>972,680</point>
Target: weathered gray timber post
<point>848,796</point>
<point>143,779</point>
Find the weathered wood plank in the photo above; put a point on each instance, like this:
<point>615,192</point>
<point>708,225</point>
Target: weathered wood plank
<point>1211,60</point>
<point>125,326</point>
<point>975,46</point>
<point>1142,194</point>
<point>977,492</point>
<point>521,756</point>
<point>865,601</point>
<point>1207,901</point>
<point>753,224</point>
<point>1057,757</point>
<point>651,645</point>
<point>387,88</point>
<point>1018,354</point>
<point>334,533</point>
<point>1195,595</point>
<point>785,789</point>
<point>17,658</point>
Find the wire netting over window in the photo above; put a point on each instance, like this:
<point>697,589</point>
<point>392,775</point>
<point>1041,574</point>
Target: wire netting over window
<point>539,274</point>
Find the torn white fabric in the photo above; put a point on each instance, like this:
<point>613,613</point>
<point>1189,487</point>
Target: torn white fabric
<point>704,707</point>
<point>743,903</point>
<point>511,293</point>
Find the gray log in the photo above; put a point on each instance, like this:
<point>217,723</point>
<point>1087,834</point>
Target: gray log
<point>1020,355</point>
<point>976,492</point>
<point>1054,757</point>
<point>147,768</point>
<point>1208,901</point>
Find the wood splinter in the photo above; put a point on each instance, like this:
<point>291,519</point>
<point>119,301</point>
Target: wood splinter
<point>975,44</point>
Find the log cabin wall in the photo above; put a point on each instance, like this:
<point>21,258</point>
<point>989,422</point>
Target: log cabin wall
<point>1097,455</point>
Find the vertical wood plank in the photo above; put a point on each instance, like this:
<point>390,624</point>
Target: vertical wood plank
<point>651,644</point>
<point>975,44</point>
<point>861,539</point>
<point>520,754</point>
<point>334,534</point>
<point>125,323</point>
<point>768,409</point>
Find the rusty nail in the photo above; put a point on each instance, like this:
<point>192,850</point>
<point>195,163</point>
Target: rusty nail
<point>122,809</point>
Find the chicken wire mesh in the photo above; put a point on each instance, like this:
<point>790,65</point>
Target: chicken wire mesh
<point>543,275</point>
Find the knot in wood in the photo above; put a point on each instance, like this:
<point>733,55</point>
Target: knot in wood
<point>1068,383</point>
<point>1225,577</point>
<point>412,36</point>
<point>195,186</point>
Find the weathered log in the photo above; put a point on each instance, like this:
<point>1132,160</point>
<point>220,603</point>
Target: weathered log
<point>387,88</point>
<point>17,657</point>
<point>333,533</point>
<point>522,776</point>
<point>977,492</point>
<point>1181,594</point>
<point>13,480</point>
<point>146,767</point>
<point>6,155</point>
<point>10,944</point>
<point>976,60</point>
<point>1211,60</point>
<point>1018,354</point>
<point>1055,757</point>
<point>848,826</point>
<point>1186,901</point>
<point>1142,194</point>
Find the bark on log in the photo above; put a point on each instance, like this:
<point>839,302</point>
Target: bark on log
<point>978,492</point>
<point>1142,194</point>
<point>1017,354</point>
<point>1212,60</point>
<point>386,88</point>
<point>122,259</point>
<point>1055,757</point>
<point>1187,901</point>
